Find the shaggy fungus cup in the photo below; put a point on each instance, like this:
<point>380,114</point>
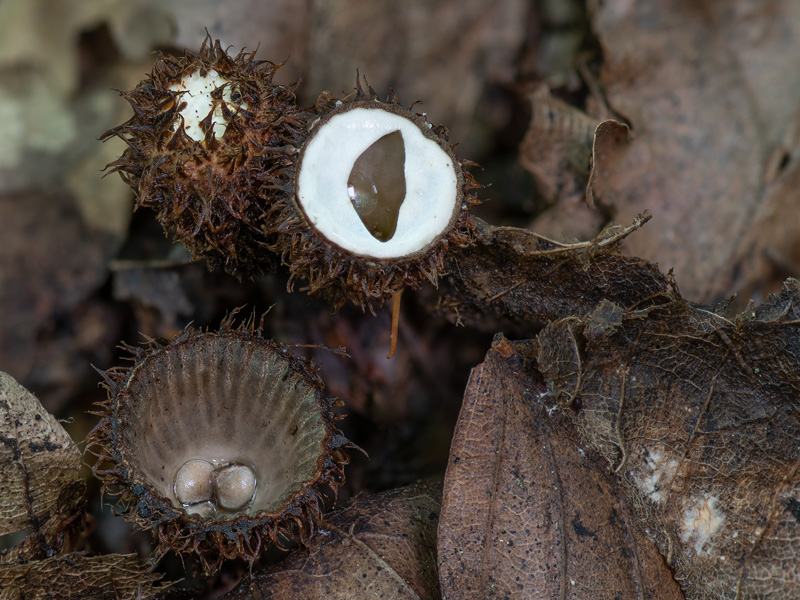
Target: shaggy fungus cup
<point>208,132</point>
<point>359,197</point>
<point>219,443</point>
<point>379,197</point>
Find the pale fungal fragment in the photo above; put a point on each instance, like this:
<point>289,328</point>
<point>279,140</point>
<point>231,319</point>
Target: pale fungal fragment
<point>193,482</point>
<point>701,520</point>
<point>197,89</point>
<point>657,474</point>
<point>324,184</point>
<point>202,510</point>
<point>235,486</point>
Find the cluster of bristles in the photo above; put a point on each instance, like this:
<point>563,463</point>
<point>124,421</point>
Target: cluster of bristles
<point>208,192</point>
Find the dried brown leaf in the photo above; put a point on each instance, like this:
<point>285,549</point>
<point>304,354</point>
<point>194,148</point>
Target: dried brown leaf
<point>39,469</point>
<point>609,137</point>
<point>518,275</point>
<point>381,546</point>
<point>708,89</point>
<point>526,512</point>
<point>699,416</point>
<point>557,146</point>
<point>556,150</point>
<point>79,577</point>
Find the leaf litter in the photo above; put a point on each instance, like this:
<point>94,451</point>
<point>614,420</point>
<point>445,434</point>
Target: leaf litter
<point>527,511</point>
<point>39,474</point>
<point>380,546</point>
<point>701,439</point>
<point>694,409</point>
<point>43,497</point>
<point>706,89</point>
<point>697,413</point>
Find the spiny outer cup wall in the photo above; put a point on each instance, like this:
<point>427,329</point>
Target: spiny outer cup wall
<point>141,432</point>
<point>231,199</point>
<point>432,183</point>
<point>211,182</point>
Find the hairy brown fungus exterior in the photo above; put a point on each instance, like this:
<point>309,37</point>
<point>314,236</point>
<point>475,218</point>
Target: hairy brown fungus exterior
<point>361,198</point>
<point>221,443</point>
<point>208,131</point>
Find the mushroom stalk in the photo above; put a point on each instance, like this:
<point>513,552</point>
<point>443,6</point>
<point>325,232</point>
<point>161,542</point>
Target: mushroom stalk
<point>395,321</point>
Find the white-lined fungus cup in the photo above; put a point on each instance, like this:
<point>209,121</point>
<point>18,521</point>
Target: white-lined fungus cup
<point>211,138</point>
<point>379,199</point>
<point>221,443</point>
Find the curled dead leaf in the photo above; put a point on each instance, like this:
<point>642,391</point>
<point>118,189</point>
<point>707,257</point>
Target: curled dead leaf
<point>514,274</point>
<point>556,151</point>
<point>609,137</point>
<point>699,416</point>
<point>39,475</point>
<point>528,513</point>
<point>704,89</point>
<point>557,146</point>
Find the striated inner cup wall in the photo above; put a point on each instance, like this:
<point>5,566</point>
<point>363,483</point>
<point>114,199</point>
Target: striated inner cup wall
<point>232,405</point>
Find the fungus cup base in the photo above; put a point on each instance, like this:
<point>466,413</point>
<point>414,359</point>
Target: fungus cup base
<point>231,395</point>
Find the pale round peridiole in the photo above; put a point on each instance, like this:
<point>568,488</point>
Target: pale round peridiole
<point>234,486</point>
<point>431,182</point>
<point>193,482</point>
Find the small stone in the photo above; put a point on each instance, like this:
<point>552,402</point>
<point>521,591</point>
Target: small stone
<point>236,485</point>
<point>193,482</point>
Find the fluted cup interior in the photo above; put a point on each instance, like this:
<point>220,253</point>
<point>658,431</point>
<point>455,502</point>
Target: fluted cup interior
<point>226,400</point>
